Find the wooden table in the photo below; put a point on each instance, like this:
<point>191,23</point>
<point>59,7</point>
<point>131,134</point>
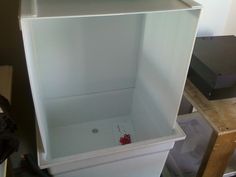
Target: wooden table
<point>5,90</point>
<point>221,115</point>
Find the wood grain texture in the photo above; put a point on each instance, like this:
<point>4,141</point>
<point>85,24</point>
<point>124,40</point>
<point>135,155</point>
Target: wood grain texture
<point>216,158</point>
<point>221,114</point>
<point>5,81</point>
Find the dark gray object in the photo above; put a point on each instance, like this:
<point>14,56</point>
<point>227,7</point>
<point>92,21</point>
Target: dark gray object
<point>213,66</point>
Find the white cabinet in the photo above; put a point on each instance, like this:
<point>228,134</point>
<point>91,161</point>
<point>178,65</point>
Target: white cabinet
<point>103,68</point>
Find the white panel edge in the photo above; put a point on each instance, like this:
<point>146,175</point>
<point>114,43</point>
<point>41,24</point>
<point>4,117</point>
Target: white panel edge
<point>27,38</point>
<point>192,4</point>
<point>190,55</point>
<point>110,14</point>
<point>28,9</point>
<point>177,135</point>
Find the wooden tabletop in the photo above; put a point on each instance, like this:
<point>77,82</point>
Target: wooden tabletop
<point>221,114</point>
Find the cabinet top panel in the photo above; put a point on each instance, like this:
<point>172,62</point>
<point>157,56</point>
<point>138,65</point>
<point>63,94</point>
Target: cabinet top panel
<point>83,8</point>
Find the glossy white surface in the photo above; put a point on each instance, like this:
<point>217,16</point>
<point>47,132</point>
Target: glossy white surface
<point>79,138</point>
<point>143,166</point>
<point>97,68</point>
<point>81,8</point>
<point>116,62</point>
<point>157,146</point>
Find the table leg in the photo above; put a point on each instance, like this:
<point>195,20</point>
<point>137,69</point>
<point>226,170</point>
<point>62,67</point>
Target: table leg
<point>219,151</point>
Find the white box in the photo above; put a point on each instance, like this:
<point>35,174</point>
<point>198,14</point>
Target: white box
<point>102,68</point>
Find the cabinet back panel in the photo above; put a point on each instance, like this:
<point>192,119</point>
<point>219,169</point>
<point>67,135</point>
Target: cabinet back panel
<point>86,108</point>
<point>85,55</point>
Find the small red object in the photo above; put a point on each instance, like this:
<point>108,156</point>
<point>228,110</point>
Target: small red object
<point>126,139</point>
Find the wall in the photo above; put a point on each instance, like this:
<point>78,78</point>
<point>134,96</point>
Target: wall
<point>230,27</point>
<point>214,16</point>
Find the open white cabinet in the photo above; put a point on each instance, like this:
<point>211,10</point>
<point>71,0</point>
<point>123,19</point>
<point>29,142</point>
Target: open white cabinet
<point>102,68</point>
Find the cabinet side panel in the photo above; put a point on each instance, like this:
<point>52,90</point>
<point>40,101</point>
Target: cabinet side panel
<point>30,54</point>
<point>167,47</point>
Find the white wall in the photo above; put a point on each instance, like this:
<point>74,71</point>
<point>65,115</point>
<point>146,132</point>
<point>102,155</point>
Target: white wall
<point>214,16</point>
<point>230,27</point>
